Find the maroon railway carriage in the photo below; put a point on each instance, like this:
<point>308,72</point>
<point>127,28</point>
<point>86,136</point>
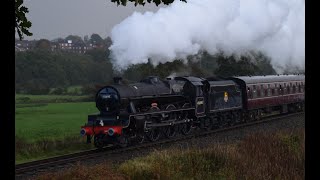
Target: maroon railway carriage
<point>265,94</point>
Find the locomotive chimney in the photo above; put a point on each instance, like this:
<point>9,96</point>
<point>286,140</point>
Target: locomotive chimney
<point>117,80</point>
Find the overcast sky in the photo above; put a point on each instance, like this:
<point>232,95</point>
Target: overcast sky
<point>59,18</point>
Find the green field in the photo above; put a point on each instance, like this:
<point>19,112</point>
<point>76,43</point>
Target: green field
<point>53,120</point>
<point>49,129</point>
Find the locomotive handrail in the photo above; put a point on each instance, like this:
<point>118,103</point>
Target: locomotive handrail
<point>159,112</point>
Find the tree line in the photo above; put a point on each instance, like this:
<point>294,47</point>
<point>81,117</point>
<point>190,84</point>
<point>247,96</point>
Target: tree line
<point>205,65</point>
<point>40,69</point>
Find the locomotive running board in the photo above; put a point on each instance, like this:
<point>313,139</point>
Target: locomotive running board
<point>155,113</point>
<point>159,112</point>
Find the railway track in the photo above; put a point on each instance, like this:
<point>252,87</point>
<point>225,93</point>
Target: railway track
<point>32,168</point>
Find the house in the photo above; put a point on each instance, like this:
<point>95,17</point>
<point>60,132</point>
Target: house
<point>24,45</point>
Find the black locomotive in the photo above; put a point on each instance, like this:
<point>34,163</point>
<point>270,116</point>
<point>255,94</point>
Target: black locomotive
<point>132,113</point>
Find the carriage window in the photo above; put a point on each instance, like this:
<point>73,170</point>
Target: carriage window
<point>269,90</point>
<point>275,90</point>
<point>261,91</point>
<point>249,93</point>
<point>302,87</point>
<point>294,88</point>
<point>291,88</point>
<point>288,89</point>
<point>254,93</point>
<point>285,88</point>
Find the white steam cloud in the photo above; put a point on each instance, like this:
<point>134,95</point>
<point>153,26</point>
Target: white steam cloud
<point>275,27</point>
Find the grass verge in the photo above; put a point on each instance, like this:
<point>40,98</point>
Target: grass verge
<point>46,147</point>
<point>259,156</point>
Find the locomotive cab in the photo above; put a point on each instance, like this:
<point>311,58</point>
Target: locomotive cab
<point>194,89</point>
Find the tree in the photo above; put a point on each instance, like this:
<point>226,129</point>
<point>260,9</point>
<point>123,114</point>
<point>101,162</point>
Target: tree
<point>263,62</point>
<point>22,24</point>
<point>96,39</point>
<point>58,40</point>
<point>143,2</point>
<point>74,39</point>
<point>59,69</point>
<point>293,69</point>
<point>107,42</point>
<point>43,44</point>
<point>253,63</point>
<point>86,38</point>
<point>98,55</point>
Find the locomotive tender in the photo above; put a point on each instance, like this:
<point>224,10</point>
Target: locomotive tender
<point>132,113</point>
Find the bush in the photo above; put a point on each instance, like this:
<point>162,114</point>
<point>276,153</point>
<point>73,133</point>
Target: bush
<point>89,89</point>
<point>23,99</point>
<point>34,87</point>
<point>58,91</point>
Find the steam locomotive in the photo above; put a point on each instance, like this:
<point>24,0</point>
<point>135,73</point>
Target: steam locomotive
<point>152,108</point>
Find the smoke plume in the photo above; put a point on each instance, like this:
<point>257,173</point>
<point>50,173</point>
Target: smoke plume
<point>274,27</point>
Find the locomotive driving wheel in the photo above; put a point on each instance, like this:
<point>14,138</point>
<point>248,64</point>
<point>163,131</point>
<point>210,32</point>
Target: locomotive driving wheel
<point>187,126</point>
<point>170,131</point>
<point>140,138</point>
<point>154,133</point>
